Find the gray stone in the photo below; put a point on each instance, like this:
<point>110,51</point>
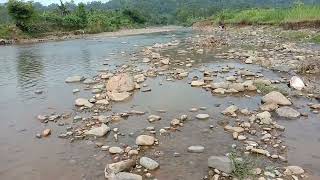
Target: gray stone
<point>121,83</point>
<point>276,98</point>
<point>119,166</point>
<point>196,149</point>
<point>287,112</point>
<point>221,163</point>
<point>202,116</point>
<point>145,140</point>
<point>127,176</point>
<point>74,79</point>
<point>83,102</point>
<point>148,163</point>
<point>98,131</point>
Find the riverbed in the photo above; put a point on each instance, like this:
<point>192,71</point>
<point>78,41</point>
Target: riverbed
<point>32,83</point>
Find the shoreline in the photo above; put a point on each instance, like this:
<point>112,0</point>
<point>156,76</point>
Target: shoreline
<point>123,32</point>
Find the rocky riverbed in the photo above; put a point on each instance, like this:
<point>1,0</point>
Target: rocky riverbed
<point>218,105</point>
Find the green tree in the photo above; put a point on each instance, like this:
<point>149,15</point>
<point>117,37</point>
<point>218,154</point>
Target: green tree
<point>82,14</point>
<point>21,13</point>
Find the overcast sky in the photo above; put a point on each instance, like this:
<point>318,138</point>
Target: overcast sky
<point>46,2</point>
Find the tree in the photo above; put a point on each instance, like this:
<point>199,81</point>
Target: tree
<point>21,13</point>
<point>82,14</point>
<point>63,9</point>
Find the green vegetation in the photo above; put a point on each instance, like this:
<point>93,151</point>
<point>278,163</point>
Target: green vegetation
<point>242,167</point>
<point>273,16</point>
<point>265,89</point>
<point>34,23</point>
<point>32,19</point>
<point>316,39</point>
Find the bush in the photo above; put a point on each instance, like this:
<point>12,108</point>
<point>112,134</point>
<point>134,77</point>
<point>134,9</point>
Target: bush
<point>21,13</point>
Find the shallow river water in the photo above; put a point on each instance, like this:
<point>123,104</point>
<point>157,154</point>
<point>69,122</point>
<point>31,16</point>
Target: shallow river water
<point>24,69</point>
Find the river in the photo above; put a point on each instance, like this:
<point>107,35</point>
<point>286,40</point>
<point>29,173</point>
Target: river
<point>26,69</point>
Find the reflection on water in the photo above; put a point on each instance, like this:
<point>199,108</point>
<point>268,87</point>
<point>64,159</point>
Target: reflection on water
<point>29,69</point>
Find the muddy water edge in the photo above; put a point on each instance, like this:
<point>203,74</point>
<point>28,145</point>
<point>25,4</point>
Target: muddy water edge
<point>33,84</point>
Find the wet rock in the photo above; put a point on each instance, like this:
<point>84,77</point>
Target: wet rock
<point>75,90</point>
<point>231,78</point>
<point>42,118</point>
<point>223,85</point>
<point>233,129</point>
<point>196,149</point>
<point>115,168</point>
<point>260,151</point>
<point>221,163</point>
<point>133,152</point>
<point>83,102</point>
<point>231,110</point>
<point>98,131</point>
<point>287,112</point>
<point>103,119</point>
<point>139,78</point>
<point>102,102</point>
<point>153,118</point>
<point>175,122</point>
<point>219,91</point>
<point>293,170</point>
<point>118,96</point>
<point>264,117</point>
<point>315,106</point>
<point>46,132</point>
<point>115,150</point>
<point>237,86</point>
<point>197,83</point>
<point>269,107</point>
<point>276,98</point>
<point>148,163</point>
<point>165,61</point>
<point>297,83</point>
<point>74,79</point>
<point>155,55</point>
<point>89,81</point>
<point>120,83</point>
<point>202,116</point>
<point>146,60</point>
<point>249,60</point>
<point>145,140</point>
<point>127,176</point>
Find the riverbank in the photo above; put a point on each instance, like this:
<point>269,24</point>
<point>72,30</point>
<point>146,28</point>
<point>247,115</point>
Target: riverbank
<point>81,35</point>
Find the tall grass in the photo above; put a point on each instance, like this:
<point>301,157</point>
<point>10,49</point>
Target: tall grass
<point>270,16</point>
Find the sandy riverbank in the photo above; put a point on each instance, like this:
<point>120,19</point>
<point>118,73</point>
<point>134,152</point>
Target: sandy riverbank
<point>123,32</point>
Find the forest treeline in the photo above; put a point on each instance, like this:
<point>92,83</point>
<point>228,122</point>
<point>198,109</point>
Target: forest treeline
<point>19,18</point>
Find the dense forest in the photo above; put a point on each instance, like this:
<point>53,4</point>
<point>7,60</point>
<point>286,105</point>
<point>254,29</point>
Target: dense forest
<point>35,19</point>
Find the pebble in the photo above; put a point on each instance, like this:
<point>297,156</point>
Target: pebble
<point>202,116</point>
<point>196,149</point>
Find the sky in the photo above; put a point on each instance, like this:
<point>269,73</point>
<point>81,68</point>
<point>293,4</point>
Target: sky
<point>47,2</point>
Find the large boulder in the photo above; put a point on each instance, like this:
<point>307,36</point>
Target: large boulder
<point>98,131</point>
<point>287,112</point>
<point>276,98</point>
<point>121,83</point>
<point>221,163</point>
